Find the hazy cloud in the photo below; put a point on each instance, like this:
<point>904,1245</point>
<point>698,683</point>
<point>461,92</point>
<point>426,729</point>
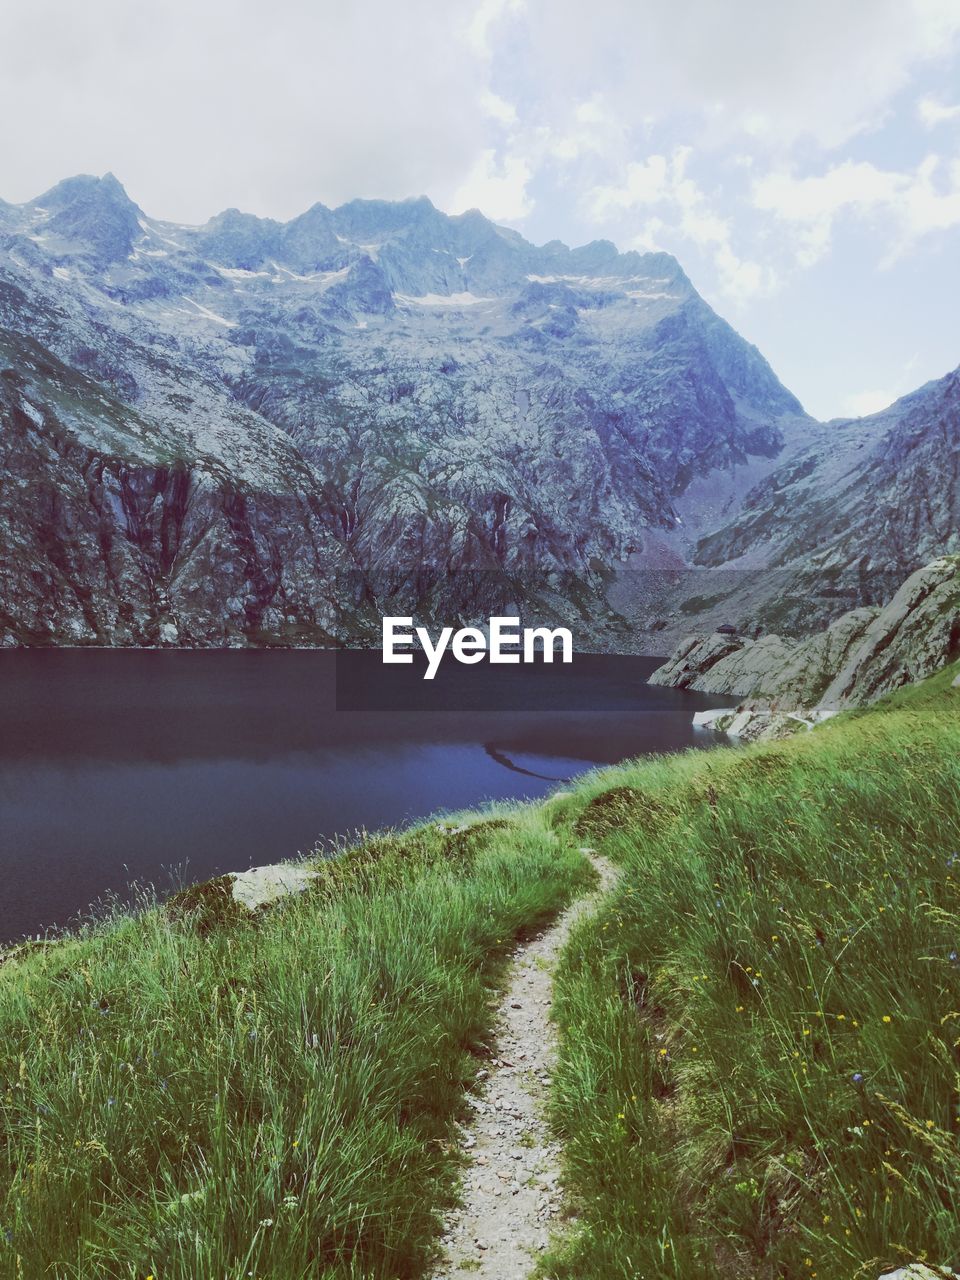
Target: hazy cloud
<point>497,187</point>
<point>269,107</point>
<point>776,73</point>
<point>678,204</point>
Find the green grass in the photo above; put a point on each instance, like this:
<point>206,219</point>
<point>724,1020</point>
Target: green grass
<point>759,1031</point>
<point>759,1070</point>
<point>191,1096</point>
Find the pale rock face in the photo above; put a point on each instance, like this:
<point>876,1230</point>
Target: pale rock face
<point>913,636</point>
<point>725,664</point>
<point>863,655</point>
<point>261,886</point>
<point>919,1271</point>
<point>711,719</point>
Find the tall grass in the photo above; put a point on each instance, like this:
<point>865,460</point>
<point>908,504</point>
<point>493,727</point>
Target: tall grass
<point>192,1095</point>
<point>760,1035</point>
<point>760,1071</point>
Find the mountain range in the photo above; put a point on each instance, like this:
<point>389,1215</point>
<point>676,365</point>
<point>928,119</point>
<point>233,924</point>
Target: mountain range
<point>261,432</point>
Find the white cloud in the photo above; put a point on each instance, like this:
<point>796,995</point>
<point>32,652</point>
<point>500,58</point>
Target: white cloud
<point>931,112</point>
<point>683,211</point>
<point>646,181</point>
<point>484,19</point>
<point>773,73</point>
<point>812,204</point>
<point>496,186</point>
<point>652,237</point>
<point>931,198</point>
<point>591,128</point>
<point>915,203</point>
<point>498,108</point>
<point>268,107</point>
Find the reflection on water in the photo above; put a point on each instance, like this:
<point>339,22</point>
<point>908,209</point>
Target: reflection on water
<point>121,766</point>
<point>501,757</point>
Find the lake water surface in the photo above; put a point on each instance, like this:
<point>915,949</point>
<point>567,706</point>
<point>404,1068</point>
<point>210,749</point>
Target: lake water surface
<point>137,766</point>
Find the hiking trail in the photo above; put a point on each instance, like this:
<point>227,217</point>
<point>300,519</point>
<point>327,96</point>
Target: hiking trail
<point>510,1193</point>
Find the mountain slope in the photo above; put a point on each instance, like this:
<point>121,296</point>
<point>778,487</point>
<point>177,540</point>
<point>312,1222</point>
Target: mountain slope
<point>849,509</point>
<point>881,492</point>
<point>397,396</point>
<point>116,527</point>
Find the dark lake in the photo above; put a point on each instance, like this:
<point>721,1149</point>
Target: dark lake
<point>139,766</point>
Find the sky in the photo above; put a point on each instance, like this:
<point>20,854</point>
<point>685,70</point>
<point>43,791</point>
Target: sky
<point>802,161</point>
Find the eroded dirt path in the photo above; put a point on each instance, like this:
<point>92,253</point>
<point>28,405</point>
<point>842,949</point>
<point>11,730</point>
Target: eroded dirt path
<point>511,1193</point>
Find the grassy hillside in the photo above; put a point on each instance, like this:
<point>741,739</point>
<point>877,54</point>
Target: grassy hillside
<point>190,1095</point>
<point>760,1071</point>
<point>759,1059</point>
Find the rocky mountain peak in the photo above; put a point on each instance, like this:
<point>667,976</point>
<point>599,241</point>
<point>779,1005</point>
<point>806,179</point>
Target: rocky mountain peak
<point>240,240</point>
<point>96,213</point>
<point>310,241</point>
<point>373,218</point>
<point>82,187</point>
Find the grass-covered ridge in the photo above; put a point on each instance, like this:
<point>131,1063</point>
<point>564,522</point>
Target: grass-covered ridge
<point>760,1070</point>
<point>190,1095</point>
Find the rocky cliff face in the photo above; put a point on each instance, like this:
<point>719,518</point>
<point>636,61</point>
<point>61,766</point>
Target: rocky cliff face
<point>848,511</point>
<point>861,656</point>
<point>881,492</point>
<point>255,431</point>
<point>116,533</point>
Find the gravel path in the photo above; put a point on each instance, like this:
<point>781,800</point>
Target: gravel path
<point>510,1195</point>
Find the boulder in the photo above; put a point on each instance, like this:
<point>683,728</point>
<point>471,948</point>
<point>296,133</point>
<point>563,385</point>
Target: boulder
<point>709,719</point>
<point>919,1271</point>
<point>261,886</point>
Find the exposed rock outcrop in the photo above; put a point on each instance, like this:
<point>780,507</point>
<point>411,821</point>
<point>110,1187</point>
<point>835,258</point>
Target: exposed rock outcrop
<point>919,1271</point>
<point>863,655</point>
<point>262,886</point>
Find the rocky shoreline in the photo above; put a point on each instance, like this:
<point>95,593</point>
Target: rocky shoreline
<point>789,685</point>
